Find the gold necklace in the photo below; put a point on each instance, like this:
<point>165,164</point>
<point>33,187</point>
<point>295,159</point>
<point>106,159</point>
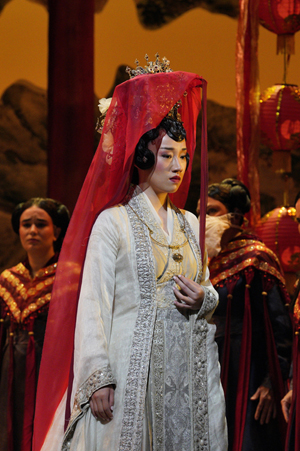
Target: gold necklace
<point>177,256</point>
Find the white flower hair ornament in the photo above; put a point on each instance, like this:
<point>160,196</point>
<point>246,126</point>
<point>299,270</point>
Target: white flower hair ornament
<point>103,108</point>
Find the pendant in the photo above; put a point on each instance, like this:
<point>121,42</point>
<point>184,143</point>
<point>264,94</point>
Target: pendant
<point>177,257</point>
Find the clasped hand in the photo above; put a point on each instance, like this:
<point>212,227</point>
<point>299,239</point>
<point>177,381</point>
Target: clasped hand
<point>101,403</point>
<point>191,294</point>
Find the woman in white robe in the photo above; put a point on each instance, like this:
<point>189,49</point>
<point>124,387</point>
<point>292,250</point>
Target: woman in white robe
<point>146,372</point>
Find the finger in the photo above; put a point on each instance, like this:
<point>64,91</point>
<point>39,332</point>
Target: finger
<point>264,413</point>
<point>107,410</point>
<point>182,297</point>
<point>183,286</point>
<point>96,410</point>
<point>92,407</point>
<point>100,404</point>
<point>184,303</point>
<point>258,409</point>
<point>268,414</point>
<point>104,406</point>
<point>191,284</point>
<point>285,410</point>
<point>112,398</point>
<point>181,306</point>
<point>255,396</point>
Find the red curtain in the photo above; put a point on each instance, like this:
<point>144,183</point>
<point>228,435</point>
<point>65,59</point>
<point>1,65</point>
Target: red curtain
<point>70,97</point>
<point>247,102</point>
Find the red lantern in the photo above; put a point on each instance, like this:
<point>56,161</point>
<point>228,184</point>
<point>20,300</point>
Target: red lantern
<point>280,122</point>
<point>279,231</point>
<point>283,18</point>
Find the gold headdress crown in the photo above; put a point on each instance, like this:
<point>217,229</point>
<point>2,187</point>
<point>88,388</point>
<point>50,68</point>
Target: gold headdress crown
<point>151,67</point>
<point>155,68</point>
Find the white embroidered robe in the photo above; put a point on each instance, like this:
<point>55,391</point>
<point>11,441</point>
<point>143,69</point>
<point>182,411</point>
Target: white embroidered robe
<point>168,395</point>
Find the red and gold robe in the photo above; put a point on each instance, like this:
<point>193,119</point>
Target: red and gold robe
<point>24,304</point>
<point>254,338</point>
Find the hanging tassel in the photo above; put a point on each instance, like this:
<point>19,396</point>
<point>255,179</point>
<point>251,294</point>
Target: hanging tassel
<point>230,284</point>
<point>30,389</point>
<point>286,44</point>
<point>244,370</point>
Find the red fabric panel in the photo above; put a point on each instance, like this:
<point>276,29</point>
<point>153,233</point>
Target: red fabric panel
<point>70,97</point>
<point>247,102</point>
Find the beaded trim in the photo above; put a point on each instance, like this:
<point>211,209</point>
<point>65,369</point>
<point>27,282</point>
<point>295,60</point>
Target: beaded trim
<point>253,261</point>
<point>210,302</point>
<point>130,436</point>
<point>158,372</point>
<point>97,380</point>
<point>136,384</point>
<point>200,405</point>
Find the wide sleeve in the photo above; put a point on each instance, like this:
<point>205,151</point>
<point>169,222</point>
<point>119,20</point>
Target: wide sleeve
<point>211,297</point>
<point>92,368</point>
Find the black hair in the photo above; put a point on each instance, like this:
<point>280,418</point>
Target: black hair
<point>57,211</point>
<point>145,158</point>
<point>233,194</point>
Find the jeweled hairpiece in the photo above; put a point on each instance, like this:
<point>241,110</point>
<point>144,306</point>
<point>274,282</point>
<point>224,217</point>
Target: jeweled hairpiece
<point>155,68</point>
<point>151,67</point>
<point>174,114</point>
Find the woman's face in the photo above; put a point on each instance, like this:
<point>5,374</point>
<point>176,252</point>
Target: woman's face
<point>215,207</point>
<point>36,230</point>
<point>170,165</point>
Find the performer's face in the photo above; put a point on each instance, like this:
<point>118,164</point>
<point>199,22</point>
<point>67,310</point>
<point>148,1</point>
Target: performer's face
<point>170,165</point>
<point>298,214</point>
<point>37,232</point>
<point>215,207</point>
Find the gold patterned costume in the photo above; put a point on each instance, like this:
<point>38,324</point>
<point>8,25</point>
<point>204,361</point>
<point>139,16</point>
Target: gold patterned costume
<point>24,303</point>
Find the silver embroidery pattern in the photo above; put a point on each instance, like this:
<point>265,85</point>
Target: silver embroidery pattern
<point>200,402</point>
<point>157,373</point>
<point>136,384</point>
<point>209,303</point>
<point>199,355</point>
<point>97,380</point>
<point>171,389</point>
